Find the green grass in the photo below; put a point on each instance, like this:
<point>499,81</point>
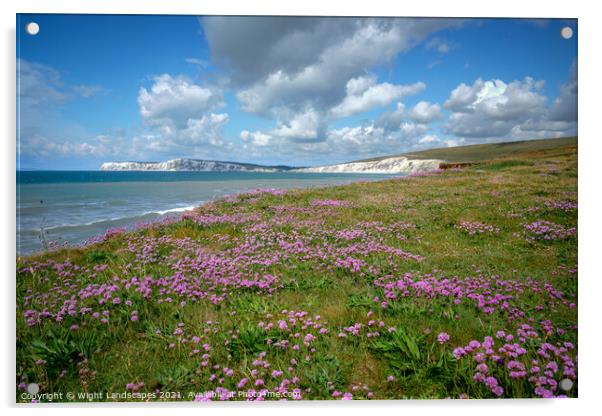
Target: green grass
<point>481,152</point>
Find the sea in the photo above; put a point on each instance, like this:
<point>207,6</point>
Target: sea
<point>58,207</point>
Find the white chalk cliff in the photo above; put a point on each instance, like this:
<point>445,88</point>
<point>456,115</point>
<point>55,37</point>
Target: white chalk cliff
<point>390,165</point>
<point>398,164</point>
<point>189,165</point>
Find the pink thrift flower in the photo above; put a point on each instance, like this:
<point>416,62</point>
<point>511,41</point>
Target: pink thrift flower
<point>443,337</point>
<point>459,353</point>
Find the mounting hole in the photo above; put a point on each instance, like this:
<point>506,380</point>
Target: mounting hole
<point>33,388</point>
<point>32,28</point>
<point>566,32</point>
<point>566,384</point>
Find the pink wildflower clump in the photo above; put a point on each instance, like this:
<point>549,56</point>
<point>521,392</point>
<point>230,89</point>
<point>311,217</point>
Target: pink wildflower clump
<point>475,227</point>
<point>329,203</point>
<point>516,357</point>
<point>134,316</point>
<point>443,337</point>
<point>134,387</point>
<point>561,205</point>
<point>547,230</point>
<point>489,294</point>
<point>212,219</point>
<point>265,191</point>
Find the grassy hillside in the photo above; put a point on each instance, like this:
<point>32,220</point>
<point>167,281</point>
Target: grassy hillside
<point>455,284</point>
<point>480,152</point>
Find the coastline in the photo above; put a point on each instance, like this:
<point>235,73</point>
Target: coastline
<point>386,165</point>
<point>146,215</point>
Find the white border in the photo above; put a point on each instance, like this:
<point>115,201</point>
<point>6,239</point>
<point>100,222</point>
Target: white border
<point>509,8</point>
<point>589,150</point>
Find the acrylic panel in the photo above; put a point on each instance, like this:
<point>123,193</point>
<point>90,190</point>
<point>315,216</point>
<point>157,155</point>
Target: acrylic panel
<point>301,208</point>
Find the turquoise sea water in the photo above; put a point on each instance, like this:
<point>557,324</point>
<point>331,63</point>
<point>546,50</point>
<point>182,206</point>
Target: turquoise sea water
<point>72,206</point>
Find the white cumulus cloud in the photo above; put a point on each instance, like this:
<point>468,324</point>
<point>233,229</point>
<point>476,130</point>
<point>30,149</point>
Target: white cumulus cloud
<point>306,125</point>
<point>490,109</point>
<point>425,112</point>
<point>256,138</point>
<point>364,93</point>
<point>495,110</point>
<point>174,100</point>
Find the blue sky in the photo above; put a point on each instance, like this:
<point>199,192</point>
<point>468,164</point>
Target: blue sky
<point>301,91</point>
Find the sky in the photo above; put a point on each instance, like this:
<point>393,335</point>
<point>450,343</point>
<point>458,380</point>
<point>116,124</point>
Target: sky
<point>299,91</point>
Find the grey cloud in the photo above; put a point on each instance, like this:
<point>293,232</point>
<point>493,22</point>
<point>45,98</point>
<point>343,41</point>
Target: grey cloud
<point>477,126</point>
<point>564,107</point>
<point>252,47</point>
<point>296,62</point>
<point>391,120</point>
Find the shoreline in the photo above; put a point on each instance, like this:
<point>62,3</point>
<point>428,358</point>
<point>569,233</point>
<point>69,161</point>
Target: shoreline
<point>177,212</point>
